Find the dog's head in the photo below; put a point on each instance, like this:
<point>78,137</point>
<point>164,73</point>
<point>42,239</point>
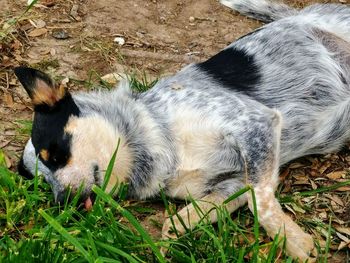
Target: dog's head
<point>73,147</point>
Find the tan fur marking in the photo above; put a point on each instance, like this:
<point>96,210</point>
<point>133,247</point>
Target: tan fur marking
<point>196,138</point>
<point>69,162</point>
<point>44,154</point>
<point>44,94</point>
<point>95,144</point>
<point>186,183</point>
<point>275,221</point>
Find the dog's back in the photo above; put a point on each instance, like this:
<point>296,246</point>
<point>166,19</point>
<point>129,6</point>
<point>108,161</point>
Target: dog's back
<point>304,63</point>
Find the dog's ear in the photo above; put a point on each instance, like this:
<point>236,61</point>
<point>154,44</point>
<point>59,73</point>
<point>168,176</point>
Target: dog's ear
<point>39,86</point>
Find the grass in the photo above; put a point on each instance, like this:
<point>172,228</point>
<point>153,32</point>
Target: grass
<point>34,229</point>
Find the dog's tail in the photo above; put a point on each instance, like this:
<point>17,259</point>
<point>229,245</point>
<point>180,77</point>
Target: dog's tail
<point>263,10</point>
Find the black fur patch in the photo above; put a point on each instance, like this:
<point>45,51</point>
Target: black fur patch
<point>48,131</point>
<point>235,69</point>
<point>220,178</point>
<point>23,171</point>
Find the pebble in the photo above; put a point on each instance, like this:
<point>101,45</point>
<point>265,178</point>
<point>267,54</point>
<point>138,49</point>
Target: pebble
<point>60,34</point>
<point>119,40</point>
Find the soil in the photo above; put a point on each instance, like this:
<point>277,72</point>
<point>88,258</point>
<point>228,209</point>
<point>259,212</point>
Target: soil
<point>75,39</point>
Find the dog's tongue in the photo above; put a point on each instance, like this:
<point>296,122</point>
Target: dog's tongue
<point>88,204</point>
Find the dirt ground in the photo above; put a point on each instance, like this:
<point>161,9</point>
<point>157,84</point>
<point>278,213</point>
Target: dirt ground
<point>75,39</point>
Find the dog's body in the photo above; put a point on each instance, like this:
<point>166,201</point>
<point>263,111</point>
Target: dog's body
<point>276,94</point>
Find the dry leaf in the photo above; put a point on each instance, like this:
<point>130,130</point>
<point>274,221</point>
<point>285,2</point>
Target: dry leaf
<point>290,209</point>
<point>297,208</point>
<point>8,100</point>
<point>343,245</point>
<point>37,32</point>
<point>323,215</point>
<point>313,185</point>
<point>335,199</point>
<point>336,175</point>
<point>114,78</point>
<point>343,230</point>
<point>342,237</point>
<point>343,189</point>
<point>324,167</point>
<point>296,165</point>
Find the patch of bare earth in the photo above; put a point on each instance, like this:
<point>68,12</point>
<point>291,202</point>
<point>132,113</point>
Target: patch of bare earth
<point>76,39</point>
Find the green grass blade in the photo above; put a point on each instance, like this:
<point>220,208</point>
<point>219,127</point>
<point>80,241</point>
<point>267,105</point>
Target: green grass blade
<point>328,242</point>
<point>108,172</point>
<point>117,251</point>
<point>256,226</point>
<point>237,194</point>
<point>110,167</point>
<point>216,242</point>
<point>324,189</point>
<point>63,232</point>
<point>107,198</point>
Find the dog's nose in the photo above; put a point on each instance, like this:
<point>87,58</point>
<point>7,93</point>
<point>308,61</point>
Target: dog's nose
<point>59,197</point>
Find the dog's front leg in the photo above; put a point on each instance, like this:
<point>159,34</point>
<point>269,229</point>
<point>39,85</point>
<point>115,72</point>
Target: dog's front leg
<point>262,165</point>
<point>298,243</point>
<point>189,216</point>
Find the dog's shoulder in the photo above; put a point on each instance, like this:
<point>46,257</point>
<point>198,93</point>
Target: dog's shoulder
<point>234,69</point>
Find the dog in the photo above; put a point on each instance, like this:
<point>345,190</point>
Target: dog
<point>276,94</point>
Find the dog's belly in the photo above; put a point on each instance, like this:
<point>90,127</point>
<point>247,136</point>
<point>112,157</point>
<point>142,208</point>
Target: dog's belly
<point>197,139</point>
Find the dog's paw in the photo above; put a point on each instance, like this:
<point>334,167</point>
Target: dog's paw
<point>300,245</point>
<point>172,229</point>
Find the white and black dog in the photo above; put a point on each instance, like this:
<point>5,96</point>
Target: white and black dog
<point>279,93</point>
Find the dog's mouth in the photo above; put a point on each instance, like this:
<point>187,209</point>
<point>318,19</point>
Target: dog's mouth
<point>88,204</point>
<point>88,201</point>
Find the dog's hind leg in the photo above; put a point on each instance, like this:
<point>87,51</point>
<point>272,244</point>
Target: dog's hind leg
<point>333,18</point>
<point>335,132</point>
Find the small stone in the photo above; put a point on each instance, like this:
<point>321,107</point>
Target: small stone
<point>191,19</point>
<point>60,34</point>
<point>52,52</point>
<point>119,40</point>
<point>40,23</point>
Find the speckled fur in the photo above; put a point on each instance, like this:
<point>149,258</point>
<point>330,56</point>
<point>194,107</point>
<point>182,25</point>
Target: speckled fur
<point>193,136</point>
